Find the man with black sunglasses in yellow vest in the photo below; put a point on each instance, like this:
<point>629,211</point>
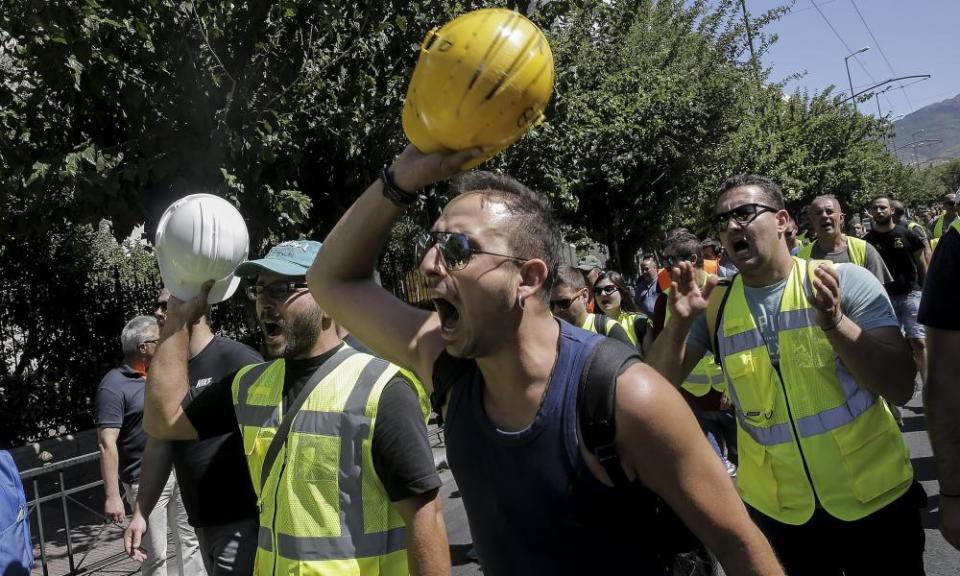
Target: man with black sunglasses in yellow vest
<point>335,439</point>
<point>568,301</point>
<point>812,353</point>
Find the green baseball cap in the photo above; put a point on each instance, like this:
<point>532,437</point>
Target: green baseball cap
<point>292,258</point>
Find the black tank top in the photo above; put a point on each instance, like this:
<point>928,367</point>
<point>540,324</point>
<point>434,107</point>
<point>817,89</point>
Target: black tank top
<point>533,505</point>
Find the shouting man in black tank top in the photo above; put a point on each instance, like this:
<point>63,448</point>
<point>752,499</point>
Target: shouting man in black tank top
<point>537,500</point>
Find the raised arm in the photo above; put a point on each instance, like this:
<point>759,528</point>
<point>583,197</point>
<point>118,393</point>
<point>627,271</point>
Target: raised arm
<point>167,383</point>
<point>341,278</point>
<point>860,349</point>
<point>660,442</point>
<point>669,354</point>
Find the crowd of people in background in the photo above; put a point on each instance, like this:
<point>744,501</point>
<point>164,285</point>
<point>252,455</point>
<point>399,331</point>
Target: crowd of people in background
<point>765,343</point>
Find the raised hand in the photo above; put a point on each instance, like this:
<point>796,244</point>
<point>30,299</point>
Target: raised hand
<point>826,296</point>
<point>687,297</point>
<point>180,313</point>
<point>412,169</point>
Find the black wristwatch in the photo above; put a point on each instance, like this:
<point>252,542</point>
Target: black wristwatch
<point>400,197</point>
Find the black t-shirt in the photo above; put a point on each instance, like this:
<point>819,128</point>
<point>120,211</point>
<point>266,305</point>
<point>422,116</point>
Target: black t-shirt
<point>208,469</point>
<point>402,456</point>
<point>937,307</point>
<point>120,405</point>
<point>897,248</point>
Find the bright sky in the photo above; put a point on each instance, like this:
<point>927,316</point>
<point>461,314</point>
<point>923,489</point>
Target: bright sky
<point>916,36</point>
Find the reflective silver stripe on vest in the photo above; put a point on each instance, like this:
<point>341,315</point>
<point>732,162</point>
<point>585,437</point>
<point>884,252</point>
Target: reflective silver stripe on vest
<point>257,416</point>
<point>329,423</point>
<point>307,549</point>
<point>858,401</point>
<point>796,319</point>
<point>741,342</point>
<point>697,379</point>
<point>766,436</point>
<point>353,427</point>
<point>265,539</point>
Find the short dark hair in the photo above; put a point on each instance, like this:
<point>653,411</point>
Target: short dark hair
<point>570,277</point>
<point>882,197</point>
<point>685,245</point>
<point>898,208</point>
<point>770,189</point>
<point>626,299</point>
<point>534,231</point>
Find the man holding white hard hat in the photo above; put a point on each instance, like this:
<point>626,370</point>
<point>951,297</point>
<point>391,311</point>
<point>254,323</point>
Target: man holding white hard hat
<point>335,439</point>
<point>222,511</point>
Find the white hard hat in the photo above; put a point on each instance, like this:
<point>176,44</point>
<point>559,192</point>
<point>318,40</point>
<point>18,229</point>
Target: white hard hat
<point>201,237</point>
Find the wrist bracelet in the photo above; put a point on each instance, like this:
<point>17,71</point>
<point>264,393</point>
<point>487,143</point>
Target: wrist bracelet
<point>400,197</point>
<point>835,324</point>
<point>943,495</point>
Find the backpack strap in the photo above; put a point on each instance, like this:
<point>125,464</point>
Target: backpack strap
<point>596,403</point>
<point>715,306</point>
<point>601,322</point>
<point>447,371</point>
<point>640,329</point>
<point>291,413</point>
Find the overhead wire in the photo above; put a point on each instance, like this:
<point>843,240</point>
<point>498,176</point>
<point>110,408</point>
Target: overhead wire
<point>882,53</point>
<point>847,47</point>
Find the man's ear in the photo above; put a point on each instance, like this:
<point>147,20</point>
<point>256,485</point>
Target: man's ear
<point>783,220</point>
<point>533,278</point>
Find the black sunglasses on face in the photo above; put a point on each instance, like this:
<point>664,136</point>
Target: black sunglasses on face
<point>743,215</point>
<point>280,290</point>
<point>455,249</point>
<point>565,303</point>
<point>604,290</point>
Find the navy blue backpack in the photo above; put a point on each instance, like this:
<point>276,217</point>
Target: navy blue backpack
<point>16,551</point>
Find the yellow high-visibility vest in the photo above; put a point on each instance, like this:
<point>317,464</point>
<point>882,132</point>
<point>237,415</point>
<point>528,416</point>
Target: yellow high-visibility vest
<point>806,431</point>
<point>323,510</point>
<point>856,250</point>
<point>707,373</point>
<point>938,225</point>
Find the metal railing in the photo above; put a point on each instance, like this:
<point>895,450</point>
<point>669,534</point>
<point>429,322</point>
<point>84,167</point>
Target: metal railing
<point>66,496</point>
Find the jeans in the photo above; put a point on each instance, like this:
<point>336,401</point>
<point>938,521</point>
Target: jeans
<point>168,513</point>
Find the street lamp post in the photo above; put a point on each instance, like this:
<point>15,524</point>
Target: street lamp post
<point>846,62</point>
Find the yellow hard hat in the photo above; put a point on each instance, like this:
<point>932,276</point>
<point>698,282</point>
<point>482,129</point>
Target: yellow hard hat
<point>482,80</point>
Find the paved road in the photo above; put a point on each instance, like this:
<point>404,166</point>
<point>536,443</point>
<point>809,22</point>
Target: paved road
<point>940,559</point>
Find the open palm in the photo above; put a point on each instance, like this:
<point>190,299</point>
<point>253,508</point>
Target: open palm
<point>687,297</point>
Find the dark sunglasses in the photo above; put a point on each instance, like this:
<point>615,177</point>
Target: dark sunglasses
<point>671,261</point>
<point>455,249</point>
<point>564,303</point>
<point>280,290</point>
<point>743,215</point>
<point>605,290</point>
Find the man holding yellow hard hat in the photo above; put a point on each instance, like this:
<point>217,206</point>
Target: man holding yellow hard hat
<point>504,373</point>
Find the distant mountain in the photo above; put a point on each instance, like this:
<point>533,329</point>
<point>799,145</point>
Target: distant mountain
<point>940,121</point>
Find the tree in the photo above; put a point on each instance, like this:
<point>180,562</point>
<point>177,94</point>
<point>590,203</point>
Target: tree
<point>646,91</point>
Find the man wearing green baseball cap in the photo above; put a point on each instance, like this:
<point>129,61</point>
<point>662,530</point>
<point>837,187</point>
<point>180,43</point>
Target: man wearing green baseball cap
<point>335,439</point>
